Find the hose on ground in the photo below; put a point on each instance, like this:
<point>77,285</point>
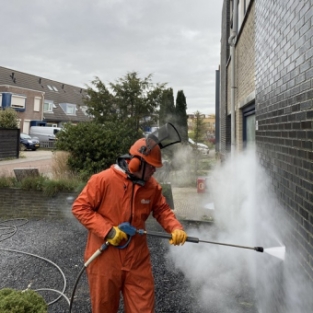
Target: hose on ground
<point>7,232</point>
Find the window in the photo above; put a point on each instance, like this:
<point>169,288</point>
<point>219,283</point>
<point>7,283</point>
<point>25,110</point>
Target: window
<point>68,108</point>
<point>50,87</point>
<point>37,102</point>
<point>248,135</point>
<point>18,102</point>
<point>71,109</point>
<point>48,106</point>
<point>55,88</point>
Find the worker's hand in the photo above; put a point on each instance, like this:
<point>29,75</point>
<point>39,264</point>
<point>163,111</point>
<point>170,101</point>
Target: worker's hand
<point>115,236</point>
<point>178,237</point>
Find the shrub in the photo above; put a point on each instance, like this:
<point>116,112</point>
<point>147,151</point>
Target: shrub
<point>94,147</point>
<point>28,301</point>
<point>8,118</point>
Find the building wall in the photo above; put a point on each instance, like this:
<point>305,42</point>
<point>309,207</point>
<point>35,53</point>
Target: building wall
<point>244,84</point>
<point>284,112</point>
<point>245,54</point>
<point>245,71</point>
<point>283,93</point>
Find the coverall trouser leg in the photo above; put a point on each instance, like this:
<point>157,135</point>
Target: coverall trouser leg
<point>137,287</point>
<point>138,290</point>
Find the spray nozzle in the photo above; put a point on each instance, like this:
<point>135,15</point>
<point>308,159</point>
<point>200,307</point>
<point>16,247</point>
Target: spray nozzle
<point>259,249</point>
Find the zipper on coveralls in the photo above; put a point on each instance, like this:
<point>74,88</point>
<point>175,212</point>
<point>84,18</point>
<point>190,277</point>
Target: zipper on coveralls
<point>132,204</point>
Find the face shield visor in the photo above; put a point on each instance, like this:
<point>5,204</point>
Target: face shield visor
<point>164,136</point>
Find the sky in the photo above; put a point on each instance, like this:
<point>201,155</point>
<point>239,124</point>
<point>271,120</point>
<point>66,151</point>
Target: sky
<point>74,41</point>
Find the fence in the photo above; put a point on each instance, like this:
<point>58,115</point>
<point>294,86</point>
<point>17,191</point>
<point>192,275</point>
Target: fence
<point>9,143</point>
<point>47,144</point>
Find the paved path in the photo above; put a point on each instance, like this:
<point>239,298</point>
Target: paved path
<point>40,159</point>
<point>191,205</point>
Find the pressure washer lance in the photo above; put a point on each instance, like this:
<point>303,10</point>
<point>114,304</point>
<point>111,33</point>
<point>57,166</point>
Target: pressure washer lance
<point>197,240</point>
<point>131,230</point>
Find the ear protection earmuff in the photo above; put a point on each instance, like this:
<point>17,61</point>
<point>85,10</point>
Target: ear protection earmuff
<point>134,164</point>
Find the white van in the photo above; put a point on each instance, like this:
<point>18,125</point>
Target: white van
<point>44,133</point>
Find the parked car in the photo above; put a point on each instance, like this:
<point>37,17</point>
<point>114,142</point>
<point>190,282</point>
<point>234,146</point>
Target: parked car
<point>44,133</point>
<point>28,143</point>
<point>201,147</point>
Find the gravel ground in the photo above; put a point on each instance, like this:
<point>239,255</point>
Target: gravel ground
<point>63,242</point>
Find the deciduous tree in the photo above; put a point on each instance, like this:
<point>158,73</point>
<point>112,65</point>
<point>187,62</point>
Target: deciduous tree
<point>137,100</point>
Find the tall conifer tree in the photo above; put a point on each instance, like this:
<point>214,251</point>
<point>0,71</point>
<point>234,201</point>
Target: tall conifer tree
<point>181,116</point>
<point>167,107</point>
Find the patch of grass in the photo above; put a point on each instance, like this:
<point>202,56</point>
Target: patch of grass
<point>7,181</point>
<point>60,168</point>
<point>50,187</point>
<point>32,183</point>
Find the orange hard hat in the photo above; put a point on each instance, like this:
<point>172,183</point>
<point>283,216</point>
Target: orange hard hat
<point>148,150</point>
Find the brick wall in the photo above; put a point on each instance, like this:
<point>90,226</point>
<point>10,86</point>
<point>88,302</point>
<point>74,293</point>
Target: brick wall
<point>284,112</point>
<point>17,203</point>
<point>245,70</point>
<point>245,55</point>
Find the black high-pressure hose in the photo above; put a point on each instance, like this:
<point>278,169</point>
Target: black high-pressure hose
<point>96,254</point>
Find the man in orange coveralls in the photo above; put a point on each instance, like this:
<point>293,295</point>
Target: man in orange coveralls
<point>126,192</point>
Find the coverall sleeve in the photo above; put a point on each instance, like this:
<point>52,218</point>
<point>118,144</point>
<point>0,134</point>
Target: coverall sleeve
<point>163,213</point>
<point>86,204</point>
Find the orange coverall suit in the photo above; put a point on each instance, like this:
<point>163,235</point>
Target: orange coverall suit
<point>109,199</point>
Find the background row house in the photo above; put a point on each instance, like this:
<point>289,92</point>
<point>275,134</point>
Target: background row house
<point>40,101</point>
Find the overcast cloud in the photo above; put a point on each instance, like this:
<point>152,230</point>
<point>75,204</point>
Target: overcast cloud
<point>73,41</point>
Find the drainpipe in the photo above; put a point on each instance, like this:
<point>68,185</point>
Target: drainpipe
<point>232,42</point>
